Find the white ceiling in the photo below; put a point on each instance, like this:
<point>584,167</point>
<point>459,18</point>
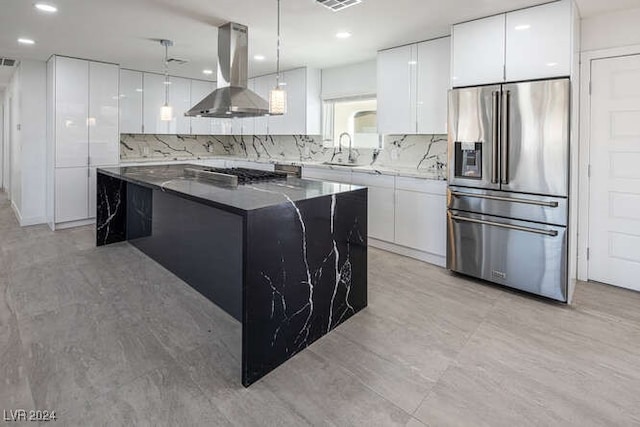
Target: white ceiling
<point>122,31</point>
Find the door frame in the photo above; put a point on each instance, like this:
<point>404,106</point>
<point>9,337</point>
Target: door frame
<point>584,182</point>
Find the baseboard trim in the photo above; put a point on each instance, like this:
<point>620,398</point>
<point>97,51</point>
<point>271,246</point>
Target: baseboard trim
<point>427,257</point>
<point>73,224</point>
<point>32,221</point>
<point>16,212</point>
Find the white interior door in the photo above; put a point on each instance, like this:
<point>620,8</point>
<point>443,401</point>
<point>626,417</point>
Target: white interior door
<point>614,219</point>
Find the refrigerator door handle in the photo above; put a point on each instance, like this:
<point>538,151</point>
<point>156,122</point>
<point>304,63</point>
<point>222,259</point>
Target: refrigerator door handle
<point>504,155</point>
<point>552,233</point>
<point>496,137</point>
<point>506,199</point>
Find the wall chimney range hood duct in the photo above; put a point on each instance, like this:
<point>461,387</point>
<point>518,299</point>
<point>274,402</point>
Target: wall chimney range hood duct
<point>232,98</point>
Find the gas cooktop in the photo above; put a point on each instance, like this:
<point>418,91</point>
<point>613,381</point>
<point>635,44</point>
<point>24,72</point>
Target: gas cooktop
<point>234,176</point>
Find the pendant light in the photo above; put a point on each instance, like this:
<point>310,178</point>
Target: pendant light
<point>166,112</point>
<point>278,96</point>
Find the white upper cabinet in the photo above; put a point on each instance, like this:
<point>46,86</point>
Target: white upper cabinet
<point>397,90</point>
<point>302,93</point>
<point>262,87</point>
<point>539,42</point>
<point>71,112</point>
<point>104,136</point>
<point>304,115</point>
<point>527,44</point>
<point>296,87</point>
<point>412,88</point>
<point>154,99</point>
<point>180,101</point>
<point>478,51</point>
<point>199,90</point>
<point>434,58</point>
<point>85,110</point>
<point>313,97</point>
<point>131,88</point>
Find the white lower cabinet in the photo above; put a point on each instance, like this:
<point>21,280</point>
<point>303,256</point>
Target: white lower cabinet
<point>381,209</point>
<point>407,215</point>
<point>420,215</point>
<point>71,194</point>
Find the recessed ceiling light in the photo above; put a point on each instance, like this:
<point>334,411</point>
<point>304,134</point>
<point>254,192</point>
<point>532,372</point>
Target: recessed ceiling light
<point>552,64</point>
<point>45,7</point>
<point>139,90</point>
<point>343,35</point>
<point>207,72</point>
<point>259,58</point>
<point>26,41</point>
<point>522,27</point>
<point>167,82</point>
<point>413,62</point>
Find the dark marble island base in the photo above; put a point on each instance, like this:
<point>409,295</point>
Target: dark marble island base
<point>291,265</point>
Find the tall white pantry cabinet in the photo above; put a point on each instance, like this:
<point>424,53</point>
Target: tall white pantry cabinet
<point>82,135</point>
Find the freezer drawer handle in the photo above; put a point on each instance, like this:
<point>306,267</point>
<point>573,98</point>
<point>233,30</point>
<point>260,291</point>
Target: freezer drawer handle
<point>552,233</point>
<point>507,199</point>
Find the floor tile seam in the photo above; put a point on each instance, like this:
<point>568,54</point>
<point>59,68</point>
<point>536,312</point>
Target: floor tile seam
<point>126,383</point>
<point>354,375</point>
<point>311,422</point>
<point>454,361</point>
<point>377,354</point>
<point>580,335</point>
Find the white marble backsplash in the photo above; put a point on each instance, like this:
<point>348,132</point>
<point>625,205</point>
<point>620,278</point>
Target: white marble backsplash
<point>421,153</point>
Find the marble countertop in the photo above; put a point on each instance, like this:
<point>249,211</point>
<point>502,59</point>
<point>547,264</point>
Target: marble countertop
<point>368,169</point>
<point>241,199</point>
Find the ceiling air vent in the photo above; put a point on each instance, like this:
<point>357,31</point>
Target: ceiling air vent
<point>337,5</point>
<point>6,62</point>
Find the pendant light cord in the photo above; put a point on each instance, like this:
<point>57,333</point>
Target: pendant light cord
<point>278,51</point>
<point>166,74</point>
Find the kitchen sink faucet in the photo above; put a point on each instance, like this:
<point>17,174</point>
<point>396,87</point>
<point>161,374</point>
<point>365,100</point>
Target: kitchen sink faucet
<point>351,158</point>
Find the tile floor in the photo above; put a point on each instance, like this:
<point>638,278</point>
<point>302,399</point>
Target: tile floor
<point>105,336</point>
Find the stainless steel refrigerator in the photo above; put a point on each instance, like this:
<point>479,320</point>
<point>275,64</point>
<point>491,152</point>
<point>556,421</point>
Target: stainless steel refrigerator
<point>509,185</point>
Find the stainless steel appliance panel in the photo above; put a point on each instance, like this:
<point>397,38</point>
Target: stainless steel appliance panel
<point>474,137</point>
<point>535,137</point>
<point>525,207</point>
<point>522,255</point>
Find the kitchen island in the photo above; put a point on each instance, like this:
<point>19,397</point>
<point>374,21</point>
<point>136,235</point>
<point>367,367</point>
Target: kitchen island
<point>285,257</point>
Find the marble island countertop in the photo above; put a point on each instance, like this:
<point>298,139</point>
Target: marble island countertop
<point>402,171</point>
<point>241,199</point>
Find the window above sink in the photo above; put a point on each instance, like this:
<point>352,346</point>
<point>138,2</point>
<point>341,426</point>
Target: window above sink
<point>355,116</point>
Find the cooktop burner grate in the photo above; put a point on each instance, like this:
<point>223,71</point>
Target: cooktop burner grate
<point>234,176</point>
<point>248,176</point>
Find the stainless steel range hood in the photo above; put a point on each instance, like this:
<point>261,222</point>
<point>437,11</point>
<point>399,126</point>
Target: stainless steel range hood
<point>232,98</point>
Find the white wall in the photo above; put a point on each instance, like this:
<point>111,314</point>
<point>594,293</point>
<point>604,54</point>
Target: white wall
<point>616,29</point>
<point>15,168</point>
<point>6,159</point>
<point>27,98</point>
<point>350,80</point>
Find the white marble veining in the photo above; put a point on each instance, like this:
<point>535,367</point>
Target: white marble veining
<point>421,156</point>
